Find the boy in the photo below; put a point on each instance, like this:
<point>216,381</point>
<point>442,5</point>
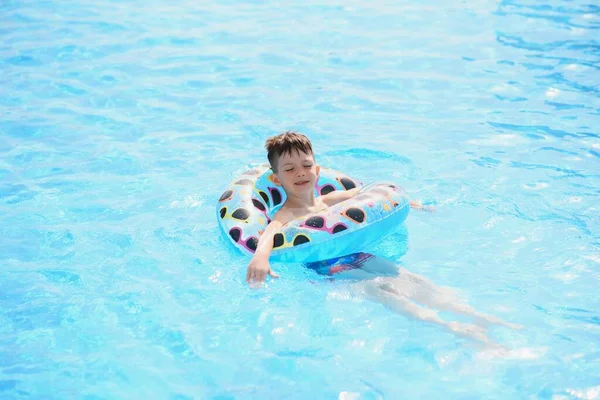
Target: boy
<point>295,170</point>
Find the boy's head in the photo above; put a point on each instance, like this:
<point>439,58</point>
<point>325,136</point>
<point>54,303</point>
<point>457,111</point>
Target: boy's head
<point>286,143</point>
<point>293,162</point>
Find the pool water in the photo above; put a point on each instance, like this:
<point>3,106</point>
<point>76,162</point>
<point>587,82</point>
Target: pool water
<point>123,121</point>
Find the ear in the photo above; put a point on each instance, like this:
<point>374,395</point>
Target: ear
<point>275,179</point>
<point>318,172</point>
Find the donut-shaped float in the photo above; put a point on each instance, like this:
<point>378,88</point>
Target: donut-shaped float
<point>246,207</point>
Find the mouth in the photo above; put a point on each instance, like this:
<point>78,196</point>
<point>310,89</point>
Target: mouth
<point>301,183</point>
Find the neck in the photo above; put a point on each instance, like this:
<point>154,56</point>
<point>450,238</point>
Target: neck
<point>301,201</point>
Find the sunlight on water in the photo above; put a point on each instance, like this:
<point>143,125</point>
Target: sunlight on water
<point>122,122</point>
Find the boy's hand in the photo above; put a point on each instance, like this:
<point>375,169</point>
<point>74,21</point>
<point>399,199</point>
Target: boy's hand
<point>417,205</point>
<point>258,269</point>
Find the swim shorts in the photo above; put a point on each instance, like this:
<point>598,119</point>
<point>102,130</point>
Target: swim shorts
<point>339,264</point>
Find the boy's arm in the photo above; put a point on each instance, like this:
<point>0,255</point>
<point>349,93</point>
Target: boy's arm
<point>342,195</point>
<point>259,266</point>
<point>338,196</point>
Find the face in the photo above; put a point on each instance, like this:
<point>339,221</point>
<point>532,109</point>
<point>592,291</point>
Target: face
<point>297,172</point>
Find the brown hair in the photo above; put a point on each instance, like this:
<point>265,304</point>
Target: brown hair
<point>285,143</point>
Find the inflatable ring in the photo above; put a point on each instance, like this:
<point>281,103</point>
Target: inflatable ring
<point>247,206</point>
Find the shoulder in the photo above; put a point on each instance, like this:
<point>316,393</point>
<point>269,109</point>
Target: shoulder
<point>279,219</point>
<point>338,196</point>
<point>283,216</point>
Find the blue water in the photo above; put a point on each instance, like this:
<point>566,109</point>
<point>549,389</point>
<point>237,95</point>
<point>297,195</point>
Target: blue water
<point>122,122</point>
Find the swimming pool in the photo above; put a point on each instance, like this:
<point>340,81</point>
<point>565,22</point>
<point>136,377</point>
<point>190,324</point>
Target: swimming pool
<point>122,122</point>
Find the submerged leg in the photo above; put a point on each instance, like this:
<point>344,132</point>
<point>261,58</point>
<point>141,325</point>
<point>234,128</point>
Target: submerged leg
<point>386,294</point>
<point>398,288</point>
<point>427,293</point>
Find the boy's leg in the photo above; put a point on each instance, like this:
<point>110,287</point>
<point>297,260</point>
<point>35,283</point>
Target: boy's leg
<point>429,294</point>
<point>406,285</point>
<point>386,294</point>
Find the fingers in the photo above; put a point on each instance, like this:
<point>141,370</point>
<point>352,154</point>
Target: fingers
<point>252,275</point>
<point>415,204</point>
<point>257,276</point>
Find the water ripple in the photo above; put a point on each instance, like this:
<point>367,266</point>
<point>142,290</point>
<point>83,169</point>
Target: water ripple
<point>122,121</point>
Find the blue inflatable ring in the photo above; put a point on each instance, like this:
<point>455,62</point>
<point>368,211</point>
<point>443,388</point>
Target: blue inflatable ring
<point>247,206</point>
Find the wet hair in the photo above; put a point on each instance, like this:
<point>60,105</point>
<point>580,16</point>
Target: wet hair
<point>285,143</point>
